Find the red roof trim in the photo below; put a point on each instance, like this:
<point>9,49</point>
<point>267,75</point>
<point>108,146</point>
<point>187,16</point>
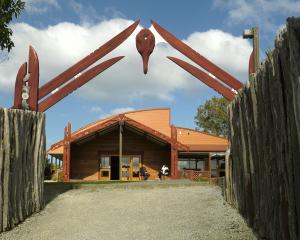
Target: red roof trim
<point>122,118</point>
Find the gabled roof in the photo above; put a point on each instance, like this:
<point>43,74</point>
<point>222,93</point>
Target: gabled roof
<point>156,118</point>
<point>123,119</point>
<point>155,122</point>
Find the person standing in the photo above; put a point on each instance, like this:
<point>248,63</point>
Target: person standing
<point>163,172</point>
<point>143,172</point>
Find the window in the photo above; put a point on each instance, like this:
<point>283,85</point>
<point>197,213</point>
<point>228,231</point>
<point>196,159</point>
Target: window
<point>192,164</point>
<point>183,165</point>
<point>105,162</point>
<point>125,162</point>
<point>200,165</point>
<point>136,162</point>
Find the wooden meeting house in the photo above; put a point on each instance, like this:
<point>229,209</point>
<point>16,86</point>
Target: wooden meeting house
<point>147,137</point>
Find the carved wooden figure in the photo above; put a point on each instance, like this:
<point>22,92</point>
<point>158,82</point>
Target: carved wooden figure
<point>145,43</point>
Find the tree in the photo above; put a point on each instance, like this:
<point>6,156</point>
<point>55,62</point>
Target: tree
<point>212,116</point>
<point>8,10</point>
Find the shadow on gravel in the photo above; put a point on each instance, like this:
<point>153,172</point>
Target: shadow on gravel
<point>54,189</point>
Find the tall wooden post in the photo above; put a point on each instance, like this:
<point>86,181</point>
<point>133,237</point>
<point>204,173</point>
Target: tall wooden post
<point>120,148</point>
<point>66,156</point>
<point>174,153</point>
<point>33,82</point>
<point>253,33</point>
<point>209,164</point>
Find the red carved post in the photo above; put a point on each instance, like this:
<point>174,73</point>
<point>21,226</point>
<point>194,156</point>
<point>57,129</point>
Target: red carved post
<point>19,86</point>
<point>66,152</point>
<point>174,153</point>
<point>33,82</point>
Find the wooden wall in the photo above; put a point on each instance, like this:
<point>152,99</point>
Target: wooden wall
<point>22,163</point>
<point>265,142</point>
<point>85,156</point>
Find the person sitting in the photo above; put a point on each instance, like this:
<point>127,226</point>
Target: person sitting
<point>144,173</point>
<point>163,172</point>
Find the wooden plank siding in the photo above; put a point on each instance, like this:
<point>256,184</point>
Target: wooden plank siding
<point>85,156</point>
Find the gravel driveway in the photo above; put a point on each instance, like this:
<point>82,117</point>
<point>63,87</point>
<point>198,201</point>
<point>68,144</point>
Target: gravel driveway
<point>135,211</point>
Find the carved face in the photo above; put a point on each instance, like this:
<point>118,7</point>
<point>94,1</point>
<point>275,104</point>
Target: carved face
<point>145,42</point>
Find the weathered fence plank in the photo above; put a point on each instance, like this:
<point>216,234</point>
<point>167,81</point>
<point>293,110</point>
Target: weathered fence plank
<point>22,160</point>
<point>264,173</point>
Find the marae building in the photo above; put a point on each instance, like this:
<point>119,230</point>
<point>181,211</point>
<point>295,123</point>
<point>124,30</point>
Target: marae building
<point>147,137</point>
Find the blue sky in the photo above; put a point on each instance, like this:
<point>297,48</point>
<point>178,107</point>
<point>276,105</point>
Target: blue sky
<point>64,31</point>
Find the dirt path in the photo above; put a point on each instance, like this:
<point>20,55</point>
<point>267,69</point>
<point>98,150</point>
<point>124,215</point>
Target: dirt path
<point>138,211</point>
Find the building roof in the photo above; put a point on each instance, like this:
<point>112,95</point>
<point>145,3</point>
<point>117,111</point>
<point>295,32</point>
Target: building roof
<point>156,122</point>
<point>200,141</point>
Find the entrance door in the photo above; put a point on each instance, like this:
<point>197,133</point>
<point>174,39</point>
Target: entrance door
<point>114,168</point>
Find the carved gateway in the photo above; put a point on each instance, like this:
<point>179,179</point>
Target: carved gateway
<point>29,95</point>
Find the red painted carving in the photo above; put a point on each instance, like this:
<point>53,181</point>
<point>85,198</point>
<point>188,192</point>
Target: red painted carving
<point>87,61</point>
<point>205,78</point>
<point>145,43</point>
<point>76,83</point>
<point>197,58</point>
<point>33,82</point>
<point>66,152</point>
<point>19,85</point>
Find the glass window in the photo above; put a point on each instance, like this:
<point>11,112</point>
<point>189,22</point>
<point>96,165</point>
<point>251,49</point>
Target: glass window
<point>125,173</point>
<point>213,164</point>
<point>136,162</point>
<point>183,164</point>
<point>105,162</point>
<point>222,164</point>
<point>125,162</point>
<point>192,164</point>
<point>200,165</point>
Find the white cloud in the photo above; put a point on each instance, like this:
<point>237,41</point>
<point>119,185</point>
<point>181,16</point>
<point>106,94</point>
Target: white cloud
<point>258,12</point>
<point>59,46</point>
<point>116,111</point>
<point>40,6</point>
<point>95,109</point>
<point>86,12</point>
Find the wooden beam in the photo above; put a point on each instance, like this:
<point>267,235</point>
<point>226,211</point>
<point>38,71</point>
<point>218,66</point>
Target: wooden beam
<point>120,149</point>
<point>67,151</point>
<point>174,152</point>
<point>76,83</point>
<point>93,129</point>
<point>87,61</point>
<point>19,86</point>
<point>155,133</point>
<point>209,164</point>
<point>205,78</point>
<point>197,58</point>
<point>251,68</point>
<point>255,31</point>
